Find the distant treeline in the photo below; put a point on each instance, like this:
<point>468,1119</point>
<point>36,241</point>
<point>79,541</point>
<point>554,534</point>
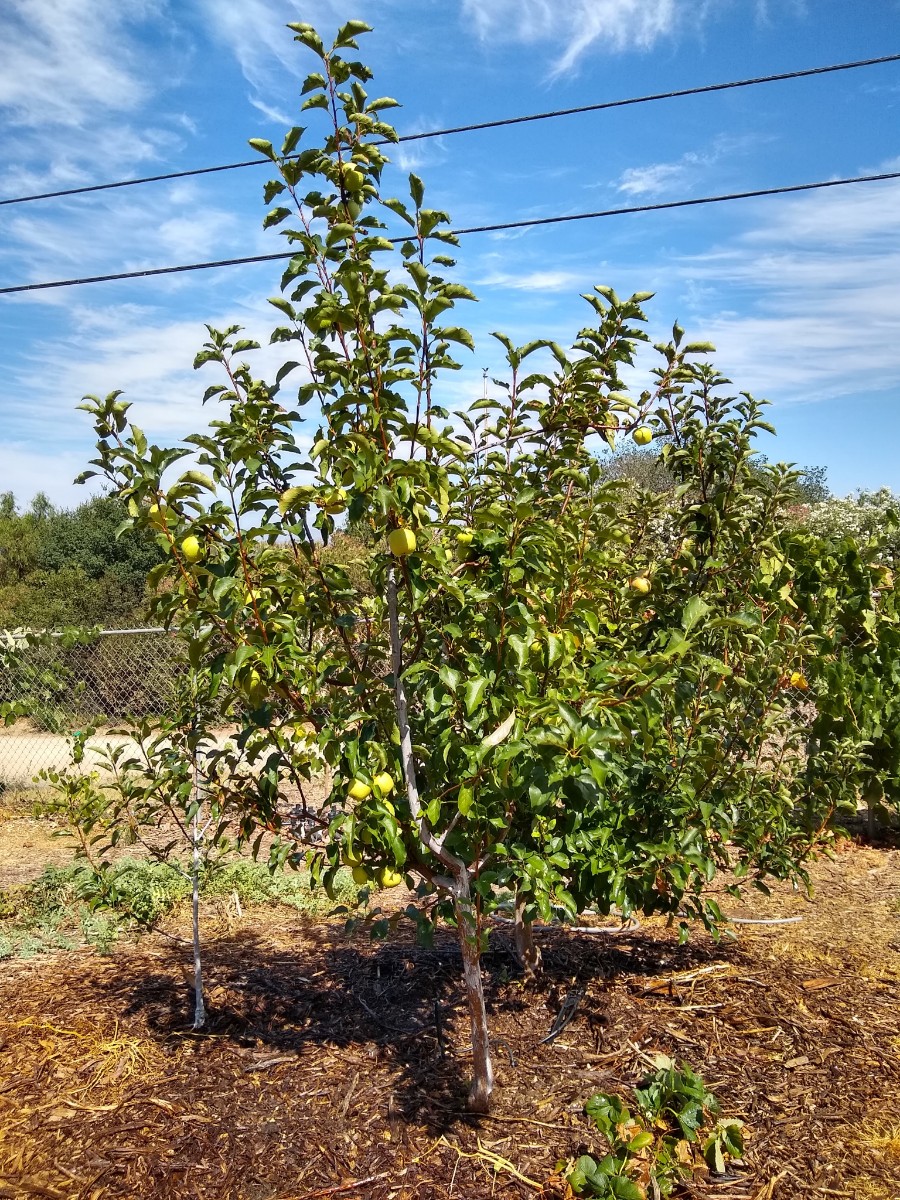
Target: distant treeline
<point>67,567</point>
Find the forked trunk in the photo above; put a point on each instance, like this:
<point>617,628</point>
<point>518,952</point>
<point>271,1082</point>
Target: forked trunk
<point>527,952</point>
<point>470,944</point>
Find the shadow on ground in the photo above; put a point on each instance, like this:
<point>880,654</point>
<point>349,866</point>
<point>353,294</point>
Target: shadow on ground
<point>399,1002</point>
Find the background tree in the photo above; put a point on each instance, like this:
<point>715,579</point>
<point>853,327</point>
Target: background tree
<point>60,567</point>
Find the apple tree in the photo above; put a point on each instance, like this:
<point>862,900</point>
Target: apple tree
<point>531,682</point>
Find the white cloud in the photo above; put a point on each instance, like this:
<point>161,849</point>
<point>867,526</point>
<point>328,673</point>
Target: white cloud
<point>655,178</point>
<point>533,281</point>
<point>66,59</point>
<point>255,33</point>
<point>78,79</point>
<point>577,25</point>
<point>804,304</point>
<point>26,470</point>
<point>161,225</point>
<point>139,349</point>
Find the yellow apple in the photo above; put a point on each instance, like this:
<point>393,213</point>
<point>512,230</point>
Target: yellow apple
<point>640,584</point>
<point>191,548</point>
<point>642,436</point>
<point>401,542</point>
<point>353,179</point>
<point>337,503</point>
<point>350,857</point>
<point>255,687</point>
<point>465,537</point>
<point>385,784</point>
<point>360,876</point>
<point>359,790</point>
<point>388,878</point>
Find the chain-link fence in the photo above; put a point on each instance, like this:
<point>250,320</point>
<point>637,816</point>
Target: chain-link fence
<point>62,685</point>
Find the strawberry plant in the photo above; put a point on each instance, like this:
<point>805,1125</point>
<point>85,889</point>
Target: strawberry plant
<point>674,1130</point>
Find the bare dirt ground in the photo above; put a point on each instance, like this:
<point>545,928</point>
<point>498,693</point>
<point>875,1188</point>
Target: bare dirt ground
<point>335,1067</point>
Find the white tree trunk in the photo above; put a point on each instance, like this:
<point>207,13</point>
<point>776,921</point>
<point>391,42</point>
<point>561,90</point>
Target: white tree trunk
<point>470,944</point>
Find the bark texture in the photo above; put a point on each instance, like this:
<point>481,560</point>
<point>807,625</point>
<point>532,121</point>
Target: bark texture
<point>527,951</point>
<point>470,944</point>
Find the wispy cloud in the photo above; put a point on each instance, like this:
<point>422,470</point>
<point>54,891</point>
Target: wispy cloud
<point>804,304</point>
<point>66,59</point>
<point>577,25</point>
<point>532,281</point>
<point>77,88</point>
<point>654,179</point>
<point>153,227</point>
<point>140,349</point>
<point>254,32</point>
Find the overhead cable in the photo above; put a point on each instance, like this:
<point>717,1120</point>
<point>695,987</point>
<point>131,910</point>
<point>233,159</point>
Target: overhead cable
<point>505,225</point>
<point>497,124</point>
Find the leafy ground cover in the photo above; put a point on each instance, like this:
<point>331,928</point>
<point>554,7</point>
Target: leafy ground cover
<point>336,1066</point>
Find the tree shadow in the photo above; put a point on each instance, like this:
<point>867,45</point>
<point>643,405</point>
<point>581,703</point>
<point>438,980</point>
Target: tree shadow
<point>397,1004</point>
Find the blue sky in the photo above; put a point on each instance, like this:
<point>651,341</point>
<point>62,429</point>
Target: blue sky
<point>801,295</point>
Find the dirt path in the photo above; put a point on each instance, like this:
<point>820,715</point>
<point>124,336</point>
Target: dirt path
<point>336,1066</point>
<point>27,846</point>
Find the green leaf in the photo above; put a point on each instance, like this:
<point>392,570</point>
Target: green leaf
<point>263,147</point>
<point>473,693</point>
<point>695,610</point>
<point>198,477</point>
<point>349,31</point>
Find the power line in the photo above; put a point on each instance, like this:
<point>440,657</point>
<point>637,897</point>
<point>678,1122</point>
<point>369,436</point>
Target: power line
<point>527,224</point>
<point>498,124</point>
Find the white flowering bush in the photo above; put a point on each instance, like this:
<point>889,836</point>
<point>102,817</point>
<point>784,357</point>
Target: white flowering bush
<point>864,516</point>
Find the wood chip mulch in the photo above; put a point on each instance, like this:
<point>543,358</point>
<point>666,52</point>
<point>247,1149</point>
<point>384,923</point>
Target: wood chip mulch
<point>336,1067</point>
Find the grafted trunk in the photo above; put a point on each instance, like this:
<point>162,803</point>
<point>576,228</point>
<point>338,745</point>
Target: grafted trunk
<point>470,944</point>
<point>527,952</point>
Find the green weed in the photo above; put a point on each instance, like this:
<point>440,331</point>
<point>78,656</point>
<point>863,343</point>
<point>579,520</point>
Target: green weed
<point>72,905</point>
<point>674,1130</point>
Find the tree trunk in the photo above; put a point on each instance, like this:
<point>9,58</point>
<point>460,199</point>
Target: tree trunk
<point>196,862</point>
<point>470,945</point>
<point>199,1007</point>
<point>873,796</point>
<point>456,880</point>
<point>527,952</point>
